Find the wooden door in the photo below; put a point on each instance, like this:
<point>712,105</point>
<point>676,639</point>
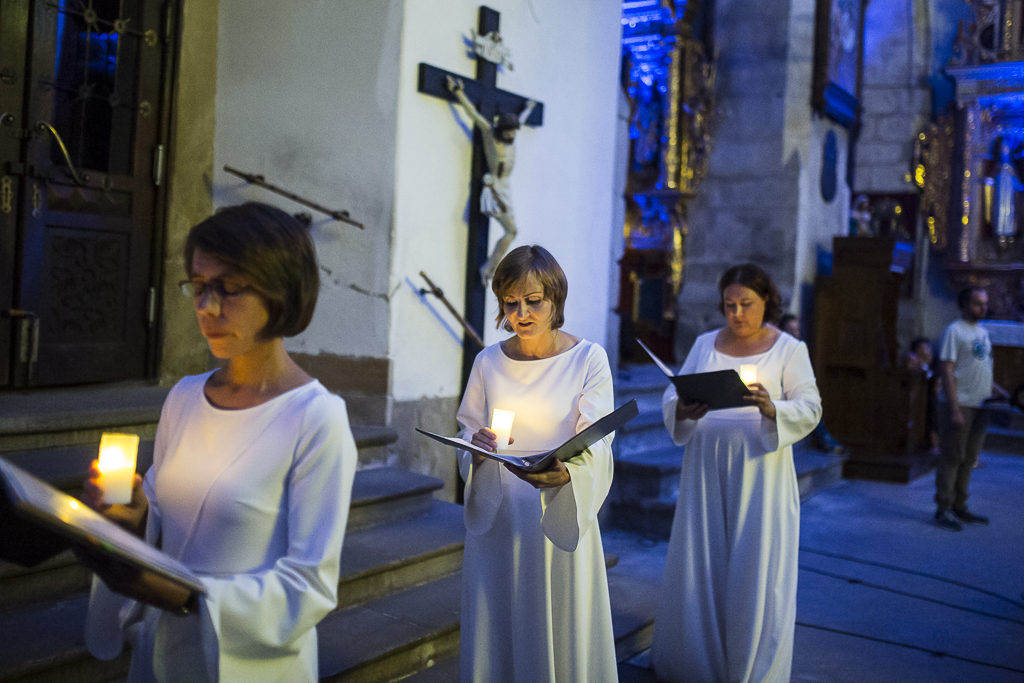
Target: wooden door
<point>82,153</point>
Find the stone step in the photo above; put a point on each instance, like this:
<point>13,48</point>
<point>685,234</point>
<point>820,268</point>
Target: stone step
<point>80,408</point>
<point>386,494</point>
<point>442,671</point>
<point>816,471</point>
<point>632,594</point>
<point>49,647</point>
<point>1003,440</point>
<point>387,558</point>
<point>48,418</point>
<point>1006,417</point>
<point>646,486</point>
<point>386,550</point>
<point>54,580</point>
<point>379,496</point>
<point>394,636</point>
<point>648,474</point>
<point>650,417</point>
<point>633,380</point>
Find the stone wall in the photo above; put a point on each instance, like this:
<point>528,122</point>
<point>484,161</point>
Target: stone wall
<point>896,95</point>
<point>189,178</point>
<point>761,200</point>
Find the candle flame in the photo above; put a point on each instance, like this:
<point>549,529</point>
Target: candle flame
<point>502,419</point>
<point>118,451</point>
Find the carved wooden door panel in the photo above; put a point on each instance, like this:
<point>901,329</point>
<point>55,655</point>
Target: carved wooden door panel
<point>87,176</point>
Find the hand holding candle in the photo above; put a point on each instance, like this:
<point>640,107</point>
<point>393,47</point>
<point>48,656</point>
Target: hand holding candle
<point>748,373</point>
<point>118,455</point>
<point>501,425</point>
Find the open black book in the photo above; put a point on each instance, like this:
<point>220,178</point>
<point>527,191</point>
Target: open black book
<point>38,521</point>
<point>717,390</point>
<point>533,461</point>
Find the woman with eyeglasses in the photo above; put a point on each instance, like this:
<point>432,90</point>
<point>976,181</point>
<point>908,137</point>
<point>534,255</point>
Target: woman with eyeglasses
<point>251,478</point>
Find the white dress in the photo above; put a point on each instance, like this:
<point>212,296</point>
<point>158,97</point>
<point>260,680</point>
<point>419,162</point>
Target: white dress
<point>534,589</point>
<point>727,609</point>
<point>255,502</point>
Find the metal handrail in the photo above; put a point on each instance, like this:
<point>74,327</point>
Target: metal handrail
<point>260,181</point>
<point>44,126</point>
<point>436,291</point>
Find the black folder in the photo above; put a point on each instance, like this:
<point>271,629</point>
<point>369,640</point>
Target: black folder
<point>43,521</point>
<point>536,461</point>
<point>717,390</point>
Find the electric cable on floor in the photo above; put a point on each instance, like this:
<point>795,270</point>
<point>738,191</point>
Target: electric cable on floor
<point>914,572</point>
<point>850,579</point>
<point>933,653</point>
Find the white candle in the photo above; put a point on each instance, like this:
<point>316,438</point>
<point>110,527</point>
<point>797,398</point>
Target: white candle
<point>748,373</point>
<point>501,425</point>
<point>118,454</point>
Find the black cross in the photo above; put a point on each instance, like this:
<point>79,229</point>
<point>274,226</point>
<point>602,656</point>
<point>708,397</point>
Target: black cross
<point>489,100</point>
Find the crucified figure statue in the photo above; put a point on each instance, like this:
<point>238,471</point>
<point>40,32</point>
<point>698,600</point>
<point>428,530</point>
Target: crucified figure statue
<point>496,198</point>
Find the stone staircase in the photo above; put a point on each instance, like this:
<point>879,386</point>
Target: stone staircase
<point>400,586</point>
<point>1006,430</point>
<point>647,463</point>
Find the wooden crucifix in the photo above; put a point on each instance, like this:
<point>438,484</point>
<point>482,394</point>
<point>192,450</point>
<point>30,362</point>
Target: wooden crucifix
<point>489,102</point>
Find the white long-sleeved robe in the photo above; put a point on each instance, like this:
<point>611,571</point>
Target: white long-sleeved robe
<point>727,609</point>
<point>534,588</point>
<point>254,501</point>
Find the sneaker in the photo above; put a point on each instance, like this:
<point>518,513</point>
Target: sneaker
<point>968,517</point>
<point>944,520</point>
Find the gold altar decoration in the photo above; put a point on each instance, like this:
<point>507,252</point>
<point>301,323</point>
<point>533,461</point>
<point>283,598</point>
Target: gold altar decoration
<point>988,68</point>
<point>668,74</point>
<point>933,156</point>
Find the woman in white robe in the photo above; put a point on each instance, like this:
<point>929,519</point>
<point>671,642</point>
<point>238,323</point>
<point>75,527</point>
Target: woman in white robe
<point>251,478</point>
<point>727,608</point>
<point>535,602</point>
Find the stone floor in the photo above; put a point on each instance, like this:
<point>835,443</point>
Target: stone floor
<point>885,596</point>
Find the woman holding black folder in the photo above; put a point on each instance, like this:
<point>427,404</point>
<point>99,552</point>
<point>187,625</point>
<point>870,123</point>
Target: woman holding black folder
<point>251,478</point>
<point>534,590</point>
<point>727,609</point>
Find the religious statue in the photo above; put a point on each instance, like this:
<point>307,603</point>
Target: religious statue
<point>1008,184</point>
<point>496,198</point>
<point>860,217</point>
<point>492,48</point>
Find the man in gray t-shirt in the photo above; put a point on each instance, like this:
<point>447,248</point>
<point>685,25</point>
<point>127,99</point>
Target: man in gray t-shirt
<point>965,365</point>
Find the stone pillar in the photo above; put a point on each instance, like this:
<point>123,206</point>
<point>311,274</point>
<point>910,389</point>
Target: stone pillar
<point>761,200</point>
<point>895,95</point>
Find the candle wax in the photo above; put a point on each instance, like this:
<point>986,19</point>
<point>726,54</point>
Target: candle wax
<point>118,455</point>
<point>501,425</point>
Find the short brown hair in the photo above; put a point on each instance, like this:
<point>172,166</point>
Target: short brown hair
<point>754,278</point>
<point>274,252</point>
<point>517,266</point>
<point>963,299</point>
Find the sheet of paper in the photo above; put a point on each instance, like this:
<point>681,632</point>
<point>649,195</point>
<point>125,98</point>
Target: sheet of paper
<point>657,361</point>
<point>535,461</point>
<point>718,390</point>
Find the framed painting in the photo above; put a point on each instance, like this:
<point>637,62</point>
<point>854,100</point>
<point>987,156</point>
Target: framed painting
<point>838,59</point>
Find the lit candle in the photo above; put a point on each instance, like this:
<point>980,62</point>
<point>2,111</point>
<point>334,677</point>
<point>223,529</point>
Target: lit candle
<point>118,453</point>
<point>501,425</point>
<point>748,373</point>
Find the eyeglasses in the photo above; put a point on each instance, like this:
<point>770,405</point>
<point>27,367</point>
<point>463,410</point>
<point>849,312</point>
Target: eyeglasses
<point>216,288</point>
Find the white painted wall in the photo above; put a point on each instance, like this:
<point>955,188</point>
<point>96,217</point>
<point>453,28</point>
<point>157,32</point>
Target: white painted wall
<point>307,95</point>
<point>565,55</point>
<point>818,221</point>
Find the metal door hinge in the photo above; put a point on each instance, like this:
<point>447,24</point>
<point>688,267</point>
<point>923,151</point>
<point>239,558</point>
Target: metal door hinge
<point>158,165</point>
<point>151,307</point>
<point>27,344</point>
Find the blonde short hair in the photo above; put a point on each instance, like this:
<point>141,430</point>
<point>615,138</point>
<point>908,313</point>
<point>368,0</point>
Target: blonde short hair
<point>513,270</point>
